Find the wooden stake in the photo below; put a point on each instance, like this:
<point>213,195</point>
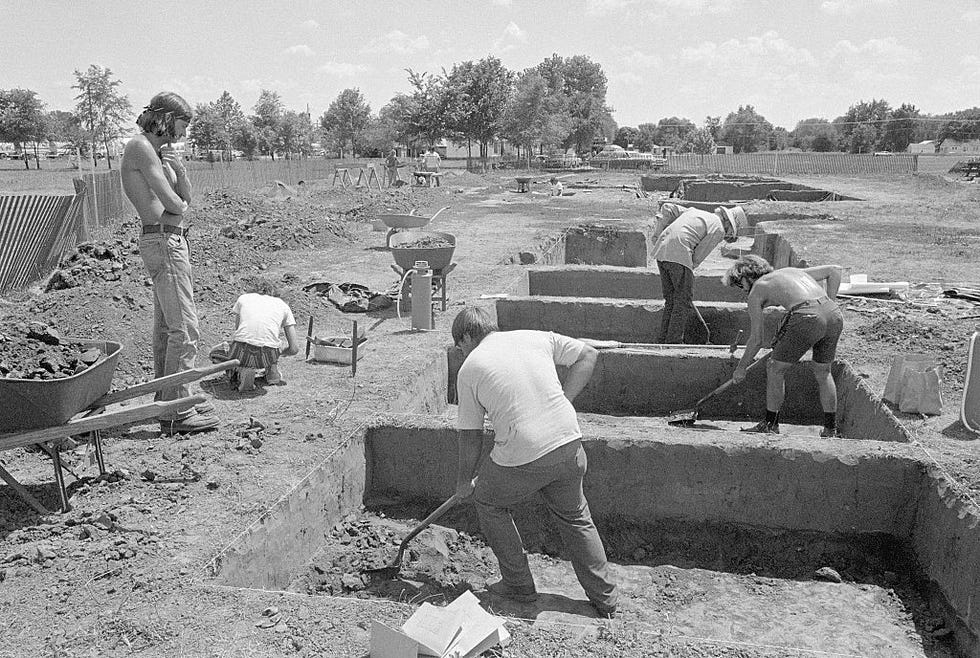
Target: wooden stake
<point>309,338</point>
<point>353,351</point>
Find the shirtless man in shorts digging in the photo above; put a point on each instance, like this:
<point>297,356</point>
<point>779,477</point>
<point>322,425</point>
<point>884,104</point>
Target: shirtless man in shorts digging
<point>813,321</point>
<point>156,183</point>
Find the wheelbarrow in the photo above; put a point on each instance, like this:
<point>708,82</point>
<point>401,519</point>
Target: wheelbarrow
<point>397,223</point>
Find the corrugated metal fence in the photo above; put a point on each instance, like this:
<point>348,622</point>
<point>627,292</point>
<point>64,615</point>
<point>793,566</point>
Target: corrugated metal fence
<point>784,164</point>
<point>35,231</point>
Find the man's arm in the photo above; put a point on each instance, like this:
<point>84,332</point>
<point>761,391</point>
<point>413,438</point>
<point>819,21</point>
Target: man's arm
<point>150,167</point>
<point>183,183</point>
<point>292,343</point>
<point>756,331</point>
<point>470,449</point>
<point>710,241</point>
<point>829,273</point>
<point>580,372</point>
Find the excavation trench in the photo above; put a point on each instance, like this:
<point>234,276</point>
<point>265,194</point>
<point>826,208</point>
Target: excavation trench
<point>712,533</point>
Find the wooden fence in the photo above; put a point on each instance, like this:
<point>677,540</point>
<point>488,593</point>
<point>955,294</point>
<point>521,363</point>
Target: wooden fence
<point>784,164</point>
<point>35,231</point>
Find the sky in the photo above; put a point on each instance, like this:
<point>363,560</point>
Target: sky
<point>790,59</point>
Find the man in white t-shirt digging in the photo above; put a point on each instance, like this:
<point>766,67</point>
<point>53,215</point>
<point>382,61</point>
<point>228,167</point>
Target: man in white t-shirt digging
<point>511,376</point>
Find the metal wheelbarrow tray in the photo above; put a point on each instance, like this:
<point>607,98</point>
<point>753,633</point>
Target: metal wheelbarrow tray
<point>31,403</point>
<point>437,257</point>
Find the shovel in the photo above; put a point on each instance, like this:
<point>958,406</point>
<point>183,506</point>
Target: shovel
<point>688,417</point>
<point>391,571</point>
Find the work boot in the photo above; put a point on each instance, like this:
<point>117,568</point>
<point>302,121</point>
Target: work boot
<point>193,423</point>
<point>830,433</point>
<point>763,428</point>
<point>520,594</point>
<point>205,407</point>
<point>604,611</point>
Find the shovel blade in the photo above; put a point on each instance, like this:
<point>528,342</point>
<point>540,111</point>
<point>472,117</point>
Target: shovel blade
<point>685,418</point>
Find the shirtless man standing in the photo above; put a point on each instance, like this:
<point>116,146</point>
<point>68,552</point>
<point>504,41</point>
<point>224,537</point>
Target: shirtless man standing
<point>156,183</point>
<point>813,320</point>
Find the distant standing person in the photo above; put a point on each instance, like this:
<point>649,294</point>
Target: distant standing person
<point>391,168</point>
<point>680,248</point>
<point>156,183</point>
<point>813,321</point>
<point>510,376</point>
<point>431,161</point>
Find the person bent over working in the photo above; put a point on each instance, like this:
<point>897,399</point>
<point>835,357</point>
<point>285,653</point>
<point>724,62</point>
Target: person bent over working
<point>681,246</point>
<point>260,314</point>
<point>510,376</point>
<point>813,321</point>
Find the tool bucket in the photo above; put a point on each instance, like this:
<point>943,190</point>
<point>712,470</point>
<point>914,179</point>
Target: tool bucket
<point>31,403</point>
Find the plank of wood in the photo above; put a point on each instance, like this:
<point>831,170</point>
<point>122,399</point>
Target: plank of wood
<point>101,421</point>
<point>182,377</point>
<point>24,493</point>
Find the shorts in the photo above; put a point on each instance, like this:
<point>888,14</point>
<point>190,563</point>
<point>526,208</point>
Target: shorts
<point>816,324</point>
<point>253,356</point>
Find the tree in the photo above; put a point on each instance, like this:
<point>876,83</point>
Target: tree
<point>673,132</point>
<point>474,98</point>
<point>900,130</point>
<point>585,87</point>
<point>814,135</point>
<point>627,137</point>
<point>347,116</point>
<point>713,126</point>
<point>245,138</point>
<point>102,109</point>
<point>295,134</point>
<point>394,119</point>
<point>779,140</point>
<point>205,129</point>
<point>746,130</point>
<point>534,116</point>
<point>702,142</point>
<point>266,118</point>
<point>425,122</point>
<point>22,120</point>
<point>962,126</point>
<point>867,118</point>
<point>647,137</point>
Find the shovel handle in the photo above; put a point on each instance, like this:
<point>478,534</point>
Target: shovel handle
<point>439,511</point>
<point>727,385</point>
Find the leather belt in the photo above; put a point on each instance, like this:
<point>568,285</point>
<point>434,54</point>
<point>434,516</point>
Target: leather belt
<point>165,228</point>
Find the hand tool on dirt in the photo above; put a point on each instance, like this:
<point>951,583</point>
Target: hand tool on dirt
<point>688,417</point>
<point>391,570</point>
<point>309,338</point>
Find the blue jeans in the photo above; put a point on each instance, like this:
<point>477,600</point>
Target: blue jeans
<point>175,332</point>
<point>681,321</point>
<point>557,476</point>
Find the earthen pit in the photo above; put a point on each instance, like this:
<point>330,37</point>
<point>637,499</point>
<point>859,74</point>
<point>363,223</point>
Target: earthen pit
<point>740,497</point>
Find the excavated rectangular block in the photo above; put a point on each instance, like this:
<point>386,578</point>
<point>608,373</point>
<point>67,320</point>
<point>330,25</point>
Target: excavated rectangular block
<point>619,283</point>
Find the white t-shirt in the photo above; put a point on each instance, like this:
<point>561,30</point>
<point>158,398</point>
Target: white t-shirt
<point>260,319</point>
<point>511,377</point>
<point>556,188</point>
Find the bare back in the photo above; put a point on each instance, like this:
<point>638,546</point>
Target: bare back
<point>150,184</point>
<point>787,287</point>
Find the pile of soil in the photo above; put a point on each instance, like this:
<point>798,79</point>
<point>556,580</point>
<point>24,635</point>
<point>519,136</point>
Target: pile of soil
<point>425,242</point>
<point>37,351</point>
<point>439,562</point>
<point>102,260</point>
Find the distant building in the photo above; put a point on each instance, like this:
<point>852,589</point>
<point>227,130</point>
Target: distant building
<point>928,146</point>
<point>955,146</point>
<point>723,149</point>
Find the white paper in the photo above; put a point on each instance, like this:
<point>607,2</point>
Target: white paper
<point>435,629</point>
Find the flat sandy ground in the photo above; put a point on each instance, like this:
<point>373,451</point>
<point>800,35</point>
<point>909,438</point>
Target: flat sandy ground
<point>124,573</point>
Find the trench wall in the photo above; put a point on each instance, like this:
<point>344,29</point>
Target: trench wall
<point>593,245</point>
<point>632,321</point>
<point>270,551</point>
<point>615,282</point>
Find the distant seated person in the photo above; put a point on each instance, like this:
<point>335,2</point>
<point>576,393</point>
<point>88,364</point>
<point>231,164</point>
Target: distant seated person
<point>431,161</point>
<point>556,187</point>
<point>260,316</point>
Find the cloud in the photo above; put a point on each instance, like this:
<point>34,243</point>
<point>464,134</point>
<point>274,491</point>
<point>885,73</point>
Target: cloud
<point>398,42</point>
<point>877,52</point>
<point>506,41</point>
<point>849,7</point>
<point>602,7</point>
<point>698,7</point>
<point>971,15</point>
<point>970,61</point>
<point>302,50</point>
<point>344,69</point>
<point>310,24</point>
<point>502,3</point>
